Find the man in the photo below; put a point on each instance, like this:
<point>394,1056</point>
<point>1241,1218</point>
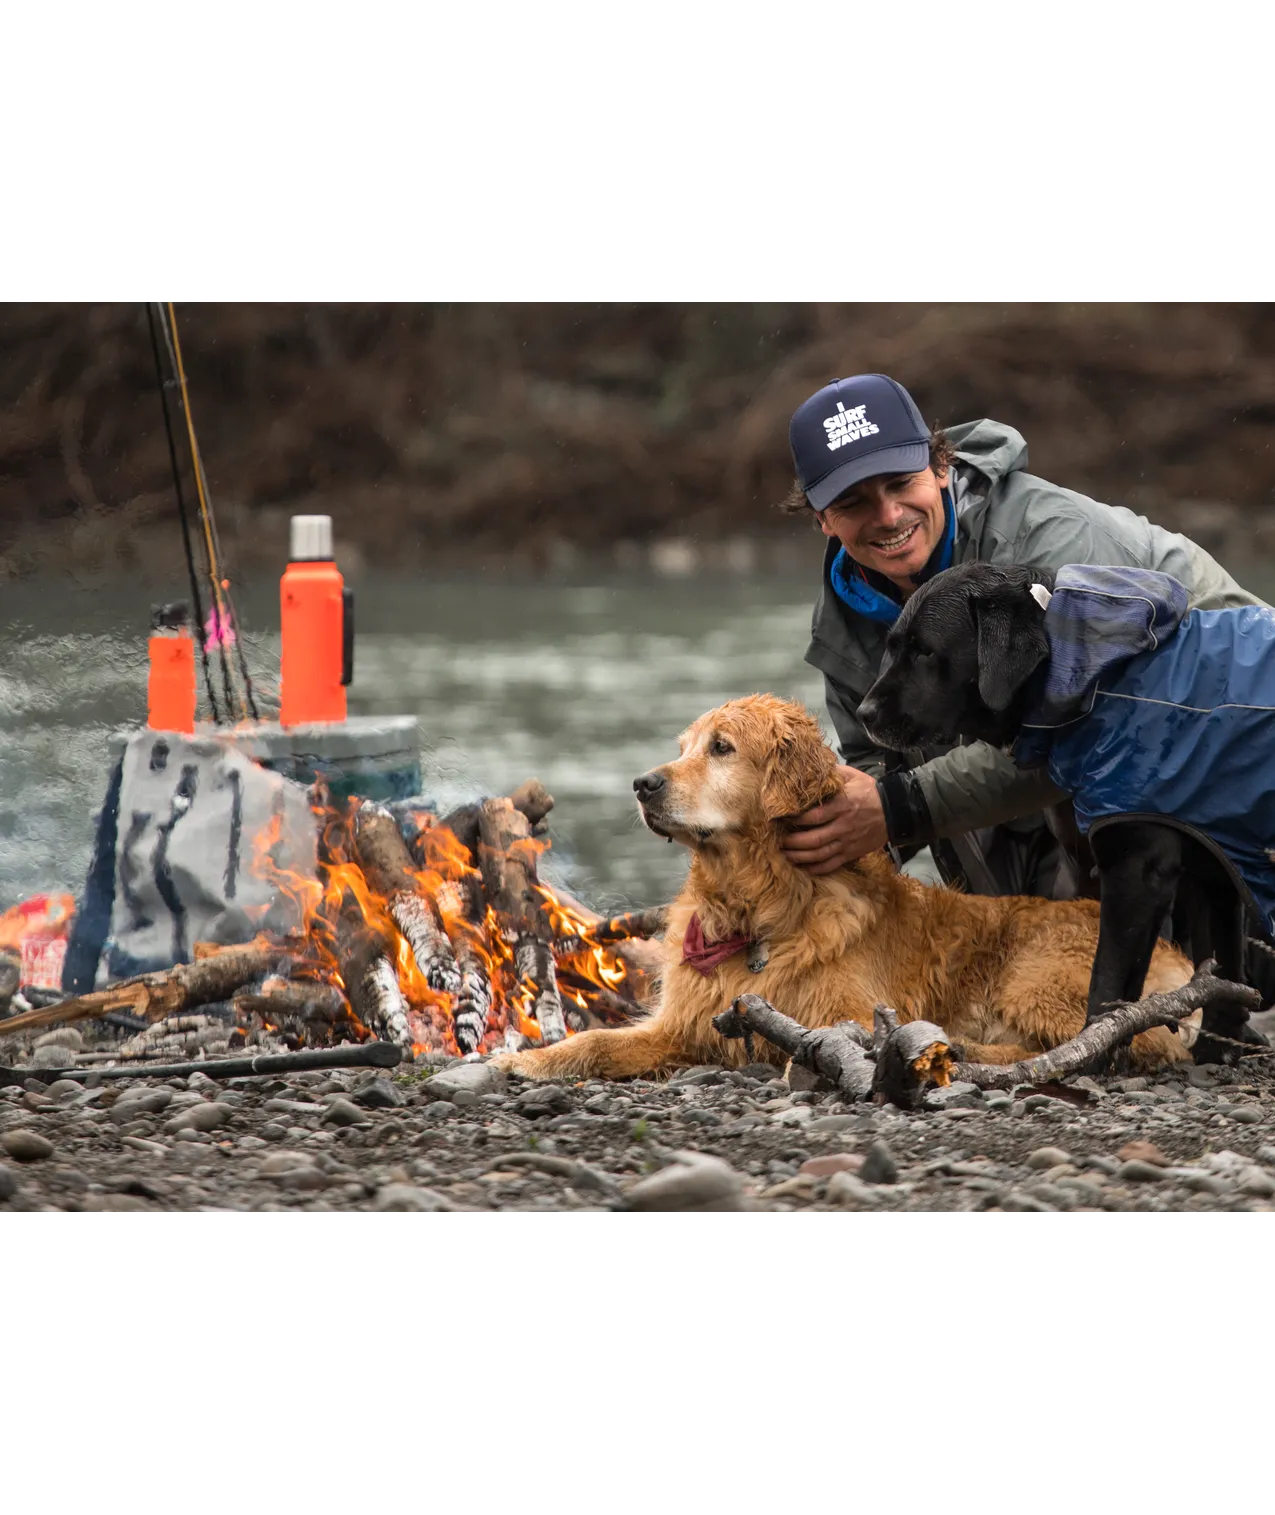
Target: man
<point>899,505</point>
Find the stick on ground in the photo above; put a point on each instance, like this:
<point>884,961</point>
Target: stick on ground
<point>1090,1049</point>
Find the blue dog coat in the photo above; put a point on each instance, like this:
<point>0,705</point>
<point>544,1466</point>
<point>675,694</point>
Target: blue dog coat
<point>1148,710</point>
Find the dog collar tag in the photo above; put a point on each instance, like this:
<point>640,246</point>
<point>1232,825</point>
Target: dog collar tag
<point>758,956</point>
<point>1041,595</point>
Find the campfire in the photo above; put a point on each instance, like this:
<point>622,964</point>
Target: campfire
<point>432,933</point>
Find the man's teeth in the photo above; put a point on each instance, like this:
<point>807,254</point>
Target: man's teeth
<point>888,544</point>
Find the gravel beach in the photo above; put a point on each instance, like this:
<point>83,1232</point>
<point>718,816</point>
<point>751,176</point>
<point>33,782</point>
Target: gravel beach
<point>460,1136</point>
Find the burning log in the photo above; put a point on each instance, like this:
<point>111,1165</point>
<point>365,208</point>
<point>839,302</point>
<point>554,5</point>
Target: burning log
<point>157,995</point>
<point>369,975</point>
<point>530,798</point>
<point>474,997</point>
<point>1088,1051</point>
<point>264,1065</point>
<point>281,999</point>
<point>387,865</point>
<point>507,860</point>
<point>632,924</point>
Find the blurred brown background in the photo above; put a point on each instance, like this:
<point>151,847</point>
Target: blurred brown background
<point>540,433</point>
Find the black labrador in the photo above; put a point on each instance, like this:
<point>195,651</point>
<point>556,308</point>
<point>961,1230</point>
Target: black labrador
<point>957,663</point>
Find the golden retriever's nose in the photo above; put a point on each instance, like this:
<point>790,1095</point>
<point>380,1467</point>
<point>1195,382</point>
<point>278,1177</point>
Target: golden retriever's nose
<point>648,786</point>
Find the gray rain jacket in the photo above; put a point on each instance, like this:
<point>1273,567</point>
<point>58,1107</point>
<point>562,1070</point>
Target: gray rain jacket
<point>1004,515</point>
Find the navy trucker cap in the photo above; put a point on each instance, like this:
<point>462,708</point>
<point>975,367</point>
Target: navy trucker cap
<point>852,429</point>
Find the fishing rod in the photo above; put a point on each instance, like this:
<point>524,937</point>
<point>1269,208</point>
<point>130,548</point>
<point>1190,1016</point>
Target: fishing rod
<point>221,629</point>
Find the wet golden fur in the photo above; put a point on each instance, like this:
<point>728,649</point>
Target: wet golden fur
<point>1005,977</point>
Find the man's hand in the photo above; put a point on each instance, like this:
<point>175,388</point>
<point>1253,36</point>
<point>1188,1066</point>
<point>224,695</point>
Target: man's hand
<point>841,829</point>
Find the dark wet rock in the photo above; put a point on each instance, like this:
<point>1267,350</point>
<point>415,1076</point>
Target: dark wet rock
<point>879,1166</point>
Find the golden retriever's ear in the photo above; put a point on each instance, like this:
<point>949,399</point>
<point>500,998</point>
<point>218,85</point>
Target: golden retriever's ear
<point>800,771</point>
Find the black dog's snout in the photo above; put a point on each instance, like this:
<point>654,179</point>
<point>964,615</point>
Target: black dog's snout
<point>648,786</point>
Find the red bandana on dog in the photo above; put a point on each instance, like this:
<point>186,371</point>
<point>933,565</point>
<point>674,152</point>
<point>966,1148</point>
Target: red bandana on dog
<point>704,956</point>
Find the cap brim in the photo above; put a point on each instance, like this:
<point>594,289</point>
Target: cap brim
<point>910,458</point>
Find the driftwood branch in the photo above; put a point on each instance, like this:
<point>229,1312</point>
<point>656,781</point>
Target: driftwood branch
<point>908,1058</point>
<point>157,995</point>
<point>1090,1049</point>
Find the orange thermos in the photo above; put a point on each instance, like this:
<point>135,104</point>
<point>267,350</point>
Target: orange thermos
<point>318,628</point>
<point>170,691</point>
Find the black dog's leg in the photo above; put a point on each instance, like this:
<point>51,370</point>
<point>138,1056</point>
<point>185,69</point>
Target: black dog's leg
<point>1138,868</point>
<point>1225,1018</point>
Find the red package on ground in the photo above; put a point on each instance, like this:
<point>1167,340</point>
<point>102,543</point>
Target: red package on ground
<point>42,959</point>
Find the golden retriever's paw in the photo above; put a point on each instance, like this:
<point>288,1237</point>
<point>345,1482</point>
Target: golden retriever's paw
<point>522,1063</point>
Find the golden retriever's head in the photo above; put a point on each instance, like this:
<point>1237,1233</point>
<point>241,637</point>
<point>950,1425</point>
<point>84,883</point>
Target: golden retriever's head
<point>743,767</point>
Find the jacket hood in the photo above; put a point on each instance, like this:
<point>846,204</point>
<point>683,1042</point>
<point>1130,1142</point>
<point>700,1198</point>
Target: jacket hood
<point>994,449</point>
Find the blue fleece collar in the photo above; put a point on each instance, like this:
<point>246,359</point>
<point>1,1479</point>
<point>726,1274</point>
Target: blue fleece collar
<point>853,589</point>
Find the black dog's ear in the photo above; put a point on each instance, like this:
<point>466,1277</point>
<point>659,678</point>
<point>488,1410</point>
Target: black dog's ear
<point>1011,642</point>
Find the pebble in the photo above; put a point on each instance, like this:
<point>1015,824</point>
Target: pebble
<point>1255,1181</point>
<point>693,1181</point>
<point>273,1131</point>
<point>53,1057</point>
<point>959,1095</point>
<point>26,1146</point>
<point>1047,1157</point>
<point>834,1162</point>
<point>69,1037</point>
<point>1266,1155</point>
<point>830,1122</point>
<point>378,1094</point>
<point>549,1100</point>
<point>879,1166</point>
<point>849,1189</point>
<point>340,1112</point>
<point>140,1144</point>
<point>1145,1152</point>
<point>1103,1164</point>
<point>1138,1172</point>
<point>410,1197</point>
<point>1246,1115</point>
<point>1019,1199</point>
<point>8,1183</point>
<point>283,1162</point>
<point>64,1089</point>
<point>205,1116</point>
<point>469,1078</point>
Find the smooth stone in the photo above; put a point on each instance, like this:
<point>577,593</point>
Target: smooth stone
<point>472,1078</point>
<point>1047,1158</point>
<point>340,1112</point>
<point>693,1181</point>
<point>399,1197</point>
<point>140,1144</point>
<point>957,1096</point>
<point>64,1089</point>
<point>1136,1171</point>
<point>834,1162</point>
<point>847,1189</point>
<point>306,1178</point>
<point>190,1134</point>
<point>1105,1165</point>
<point>53,1057</point>
<point>1246,1115</point>
<point>205,1116</point>
<point>1143,1152</point>
<point>823,1122</point>
<point>378,1094</point>
<point>140,1102</point>
<point>283,1162</point>
<point>1255,1181</point>
<point>547,1100</point>
<point>879,1166</point>
<point>26,1146</point>
<point>68,1037</point>
<point>1019,1199</point>
<point>273,1131</point>
<point>8,1183</point>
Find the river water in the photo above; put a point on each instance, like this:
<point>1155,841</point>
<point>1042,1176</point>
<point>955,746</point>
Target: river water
<point>584,685</point>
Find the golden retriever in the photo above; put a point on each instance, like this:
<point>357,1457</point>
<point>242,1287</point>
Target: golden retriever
<point>1004,977</point>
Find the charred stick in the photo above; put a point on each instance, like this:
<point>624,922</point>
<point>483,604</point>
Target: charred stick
<point>1092,1046</point>
<point>156,995</point>
<point>530,798</point>
<point>474,997</point>
<point>912,1058</point>
<point>369,1055</point>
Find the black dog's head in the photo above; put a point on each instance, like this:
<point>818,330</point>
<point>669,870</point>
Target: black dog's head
<point>958,657</point>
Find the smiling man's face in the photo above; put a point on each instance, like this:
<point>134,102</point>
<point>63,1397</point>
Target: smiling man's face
<point>890,523</point>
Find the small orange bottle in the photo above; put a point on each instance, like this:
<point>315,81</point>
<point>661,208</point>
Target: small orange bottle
<point>317,628</point>
<point>170,690</point>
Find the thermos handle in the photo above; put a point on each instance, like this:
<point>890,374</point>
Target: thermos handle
<point>347,636</point>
